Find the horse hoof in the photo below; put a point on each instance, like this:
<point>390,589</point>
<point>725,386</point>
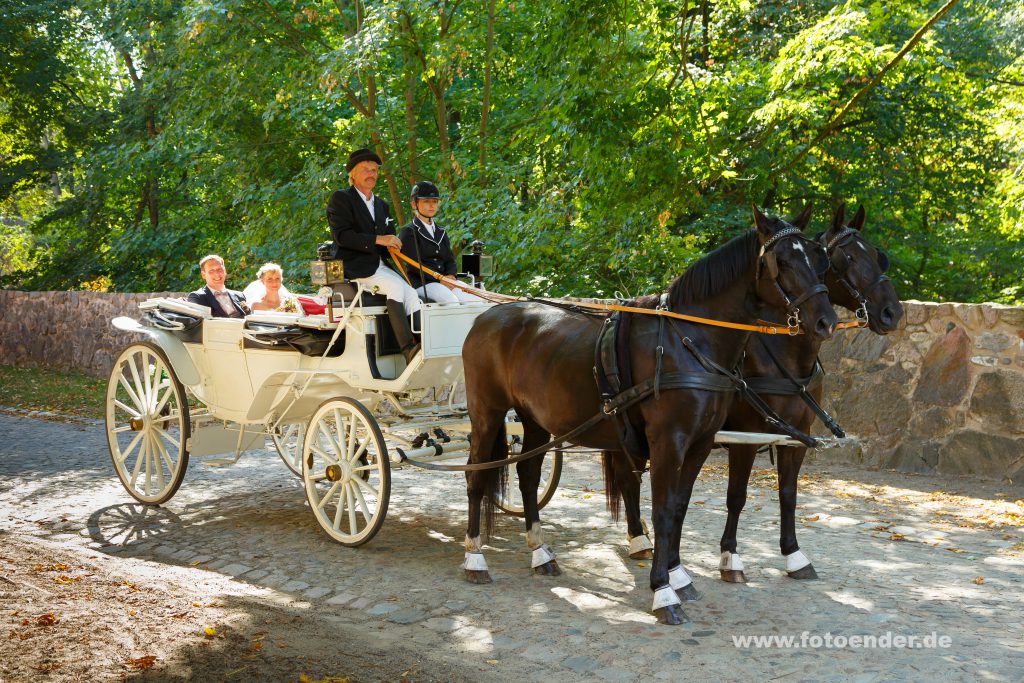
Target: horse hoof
<point>549,568</point>
<point>689,593</point>
<point>733,575</point>
<point>642,555</point>
<point>671,615</point>
<point>477,576</point>
<point>806,573</point>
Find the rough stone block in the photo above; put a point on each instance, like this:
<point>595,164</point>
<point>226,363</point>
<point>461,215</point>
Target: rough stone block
<point>945,374</point>
<point>866,346</point>
<point>977,453</point>
<point>998,400</point>
<point>993,341</point>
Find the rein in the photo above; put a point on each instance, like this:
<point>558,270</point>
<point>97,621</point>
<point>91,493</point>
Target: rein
<point>763,327</point>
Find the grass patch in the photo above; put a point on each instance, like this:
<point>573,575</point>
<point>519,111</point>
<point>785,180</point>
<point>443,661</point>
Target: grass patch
<point>69,392</point>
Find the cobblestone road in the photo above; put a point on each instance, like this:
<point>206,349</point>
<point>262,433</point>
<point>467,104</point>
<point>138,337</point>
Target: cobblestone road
<point>898,555</point>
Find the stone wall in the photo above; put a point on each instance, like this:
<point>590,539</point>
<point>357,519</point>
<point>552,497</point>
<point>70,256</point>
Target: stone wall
<point>943,394</point>
<point>65,329</point>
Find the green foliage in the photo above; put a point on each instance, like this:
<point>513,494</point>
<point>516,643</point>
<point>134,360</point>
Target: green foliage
<point>621,141</point>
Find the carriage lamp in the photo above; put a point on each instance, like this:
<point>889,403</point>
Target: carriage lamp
<point>326,271</point>
<point>477,263</point>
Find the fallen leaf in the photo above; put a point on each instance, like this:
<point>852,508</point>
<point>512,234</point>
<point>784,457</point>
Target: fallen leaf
<point>979,580</point>
<point>210,631</point>
<point>815,518</point>
<point>490,661</point>
<point>142,663</point>
<point>65,579</point>
<point>48,619</point>
<point>197,604</point>
<point>897,537</point>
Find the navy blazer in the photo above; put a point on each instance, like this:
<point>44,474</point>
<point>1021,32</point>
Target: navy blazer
<point>355,233</point>
<point>204,297</point>
<point>434,252</point>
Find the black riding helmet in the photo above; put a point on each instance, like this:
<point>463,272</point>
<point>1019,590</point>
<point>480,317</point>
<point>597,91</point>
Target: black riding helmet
<point>424,189</point>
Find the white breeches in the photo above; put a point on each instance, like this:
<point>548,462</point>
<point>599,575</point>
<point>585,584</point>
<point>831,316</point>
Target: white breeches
<point>391,285</point>
<point>442,295</point>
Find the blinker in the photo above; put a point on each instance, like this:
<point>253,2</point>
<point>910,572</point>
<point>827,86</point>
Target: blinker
<point>770,264</point>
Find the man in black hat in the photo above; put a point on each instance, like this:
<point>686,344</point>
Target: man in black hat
<point>362,230</point>
<point>426,242</point>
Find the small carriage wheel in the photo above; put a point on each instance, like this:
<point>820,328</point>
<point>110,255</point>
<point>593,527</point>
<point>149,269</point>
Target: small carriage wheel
<point>346,471</point>
<point>511,500</point>
<point>148,424</point>
<point>289,445</point>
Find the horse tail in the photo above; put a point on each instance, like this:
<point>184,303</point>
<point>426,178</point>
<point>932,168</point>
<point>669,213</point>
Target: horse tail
<point>612,490</point>
<point>495,480</point>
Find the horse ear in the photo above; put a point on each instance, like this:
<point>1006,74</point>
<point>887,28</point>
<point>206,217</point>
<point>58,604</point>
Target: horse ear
<point>804,218</point>
<point>760,221</point>
<point>837,219</point>
<point>858,219</point>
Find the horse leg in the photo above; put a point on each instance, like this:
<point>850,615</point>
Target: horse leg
<point>622,480</point>
<point>798,565</point>
<point>487,431</point>
<point>674,468</point>
<point>741,460</point>
<point>543,560</point>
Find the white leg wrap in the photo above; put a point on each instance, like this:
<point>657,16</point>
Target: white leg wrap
<point>797,561</point>
<point>730,562</point>
<point>678,578</point>
<point>638,544</point>
<point>542,555</point>
<point>475,562</point>
<point>665,596</point>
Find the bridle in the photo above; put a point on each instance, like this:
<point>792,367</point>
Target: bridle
<point>768,260</point>
<point>840,263</point>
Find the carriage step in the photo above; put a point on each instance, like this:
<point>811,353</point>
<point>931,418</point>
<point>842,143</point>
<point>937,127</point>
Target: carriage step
<point>219,462</point>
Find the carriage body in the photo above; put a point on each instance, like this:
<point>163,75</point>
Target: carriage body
<point>331,393</point>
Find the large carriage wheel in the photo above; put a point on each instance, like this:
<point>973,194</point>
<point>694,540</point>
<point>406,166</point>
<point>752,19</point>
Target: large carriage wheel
<point>289,445</point>
<point>346,471</point>
<point>147,423</point>
<point>511,500</point>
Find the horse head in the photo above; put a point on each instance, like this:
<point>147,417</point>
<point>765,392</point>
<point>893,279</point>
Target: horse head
<point>856,277</point>
<point>790,269</point>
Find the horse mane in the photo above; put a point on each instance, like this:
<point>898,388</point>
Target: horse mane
<point>715,271</point>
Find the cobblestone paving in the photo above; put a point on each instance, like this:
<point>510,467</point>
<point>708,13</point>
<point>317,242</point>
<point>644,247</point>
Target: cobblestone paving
<point>897,555</point>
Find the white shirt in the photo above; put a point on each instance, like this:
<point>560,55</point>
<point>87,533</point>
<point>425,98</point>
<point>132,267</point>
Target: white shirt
<point>369,204</point>
<point>429,226</point>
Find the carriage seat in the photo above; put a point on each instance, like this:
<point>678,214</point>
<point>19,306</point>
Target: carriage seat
<point>181,318</point>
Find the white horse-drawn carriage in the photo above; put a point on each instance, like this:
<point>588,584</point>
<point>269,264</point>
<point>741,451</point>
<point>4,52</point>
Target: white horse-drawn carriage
<point>331,390</point>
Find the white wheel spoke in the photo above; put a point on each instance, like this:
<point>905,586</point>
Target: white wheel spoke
<point>330,438</point>
<point>143,450</point>
<point>350,442</point>
<point>365,468</point>
<point>131,392</point>
<point>327,496</point>
<point>353,525</point>
<point>160,404</point>
<point>131,446</point>
<point>149,458</point>
<point>128,409</point>
<point>362,501</point>
<point>159,452</point>
<point>365,485</point>
<point>164,455</point>
<point>119,430</point>
<point>318,477</point>
<point>167,435</point>
<point>331,460</point>
<point>339,509</point>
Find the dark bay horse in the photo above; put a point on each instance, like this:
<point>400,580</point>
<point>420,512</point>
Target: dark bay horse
<point>856,280</point>
<point>539,360</point>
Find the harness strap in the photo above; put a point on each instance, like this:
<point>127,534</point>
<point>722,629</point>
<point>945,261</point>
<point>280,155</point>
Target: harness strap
<point>799,387</point>
<point>755,401</point>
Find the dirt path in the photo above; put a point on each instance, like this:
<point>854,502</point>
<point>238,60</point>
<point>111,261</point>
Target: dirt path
<point>73,615</point>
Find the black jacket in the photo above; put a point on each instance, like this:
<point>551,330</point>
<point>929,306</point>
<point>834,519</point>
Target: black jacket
<point>434,252</point>
<point>354,232</point>
<point>204,297</point>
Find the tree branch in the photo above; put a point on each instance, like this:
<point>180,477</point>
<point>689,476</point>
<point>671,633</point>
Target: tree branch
<point>832,125</point>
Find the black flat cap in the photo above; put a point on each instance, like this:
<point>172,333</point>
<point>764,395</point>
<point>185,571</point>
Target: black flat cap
<point>362,154</point>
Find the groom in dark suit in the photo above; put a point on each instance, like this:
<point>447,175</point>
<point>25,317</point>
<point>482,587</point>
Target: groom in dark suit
<point>222,302</point>
<point>362,230</point>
